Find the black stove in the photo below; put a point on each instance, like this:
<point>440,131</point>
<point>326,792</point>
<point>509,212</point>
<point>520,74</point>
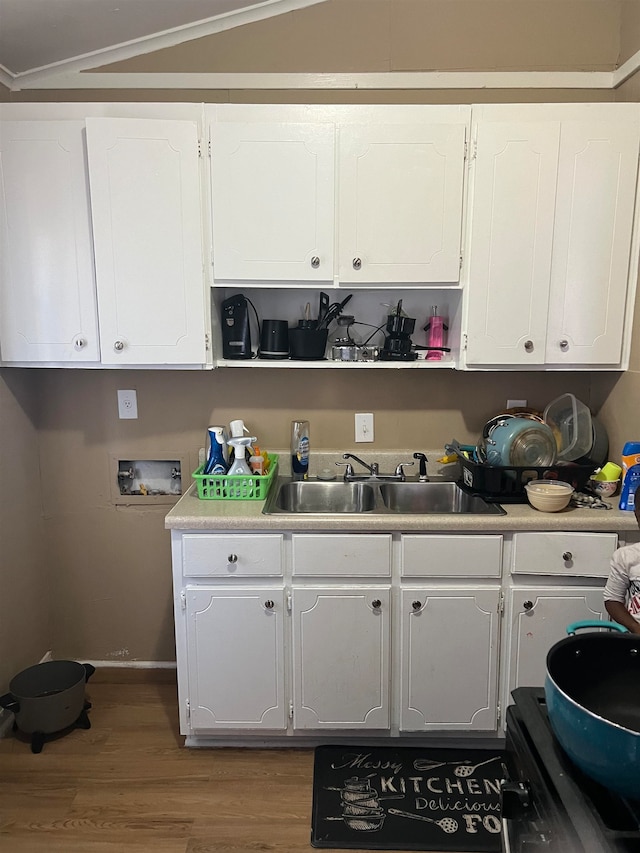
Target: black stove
<point>548,804</point>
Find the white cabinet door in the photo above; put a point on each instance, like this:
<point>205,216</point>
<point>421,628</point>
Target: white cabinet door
<point>47,286</point>
<point>537,618</point>
<point>341,657</point>
<point>235,651</point>
<point>272,188</point>
<point>449,653</point>
<point>514,170</point>
<point>145,199</point>
<point>400,203</point>
<point>592,241</point>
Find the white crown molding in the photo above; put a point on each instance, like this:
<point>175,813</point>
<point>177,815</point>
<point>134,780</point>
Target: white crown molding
<point>6,77</point>
<point>169,38</point>
<point>381,80</point>
<point>626,70</point>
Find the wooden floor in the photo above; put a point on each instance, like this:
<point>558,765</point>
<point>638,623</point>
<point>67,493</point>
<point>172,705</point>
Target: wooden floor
<point>129,784</point>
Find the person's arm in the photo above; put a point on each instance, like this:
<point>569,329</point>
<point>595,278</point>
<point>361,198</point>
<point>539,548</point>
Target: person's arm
<point>620,614</point>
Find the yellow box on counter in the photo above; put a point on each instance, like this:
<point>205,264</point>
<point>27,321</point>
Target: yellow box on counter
<point>222,487</point>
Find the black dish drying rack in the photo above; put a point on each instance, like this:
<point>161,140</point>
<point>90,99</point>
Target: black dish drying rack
<point>506,484</point>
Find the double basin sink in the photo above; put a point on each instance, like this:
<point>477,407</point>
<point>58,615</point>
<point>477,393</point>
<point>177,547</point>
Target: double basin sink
<point>375,497</point>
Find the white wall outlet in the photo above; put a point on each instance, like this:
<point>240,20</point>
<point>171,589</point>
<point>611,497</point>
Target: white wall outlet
<point>127,404</point>
<point>516,404</point>
<point>364,427</point>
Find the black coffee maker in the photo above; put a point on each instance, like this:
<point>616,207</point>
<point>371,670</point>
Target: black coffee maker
<point>398,345</point>
<point>236,334</point>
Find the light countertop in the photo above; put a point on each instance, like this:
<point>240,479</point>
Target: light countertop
<point>191,513</point>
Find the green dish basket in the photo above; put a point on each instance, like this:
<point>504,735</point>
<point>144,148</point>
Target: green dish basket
<point>222,487</point>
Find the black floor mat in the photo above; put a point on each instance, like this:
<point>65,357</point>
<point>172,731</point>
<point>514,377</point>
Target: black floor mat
<point>406,798</point>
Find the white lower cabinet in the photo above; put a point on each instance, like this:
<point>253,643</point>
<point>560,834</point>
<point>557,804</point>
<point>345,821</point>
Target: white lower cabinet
<point>235,657</point>
<point>537,617</point>
<point>449,655</point>
<point>309,635</point>
<point>341,653</point>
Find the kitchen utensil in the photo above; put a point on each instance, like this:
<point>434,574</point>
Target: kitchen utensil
<point>333,312</point>
<point>47,697</point>
<point>447,824</point>
<point>592,690</point>
<point>520,442</point>
<point>572,427</point>
<point>465,770</point>
<point>274,339</point>
<point>548,495</point>
<point>323,307</point>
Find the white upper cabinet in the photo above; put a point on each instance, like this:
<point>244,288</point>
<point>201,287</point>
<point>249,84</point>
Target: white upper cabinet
<point>597,175</point>
<point>550,249</point>
<point>386,183</point>
<point>400,203</point>
<point>272,190</point>
<point>47,283</point>
<point>147,222</point>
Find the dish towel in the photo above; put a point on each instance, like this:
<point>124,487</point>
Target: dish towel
<point>580,499</point>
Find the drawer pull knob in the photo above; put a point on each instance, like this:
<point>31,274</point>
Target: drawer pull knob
<point>232,558</point>
<point>376,604</point>
<point>567,556</point>
<point>416,605</point>
<point>269,604</point>
<point>528,605</point>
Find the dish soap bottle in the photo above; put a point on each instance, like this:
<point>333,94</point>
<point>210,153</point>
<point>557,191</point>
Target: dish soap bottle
<point>300,450</point>
<point>217,460</point>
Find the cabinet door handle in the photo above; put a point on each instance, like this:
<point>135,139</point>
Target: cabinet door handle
<point>528,605</point>
<point>232,558</point>
<point>567,556</point>
<point>416,605</point>
<point>118,346</point>
<point>79,343</point>
<point>376,604</point>
<point>315,262</point>
<point>564,345</point>
<point>357,263</point>
<point>528,345</point>
<point>269,604</point>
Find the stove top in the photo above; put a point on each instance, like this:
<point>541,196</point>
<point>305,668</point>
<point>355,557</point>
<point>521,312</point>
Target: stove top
<point>548,804</point>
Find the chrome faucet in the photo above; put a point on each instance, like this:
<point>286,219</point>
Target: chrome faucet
<point>373,469</point>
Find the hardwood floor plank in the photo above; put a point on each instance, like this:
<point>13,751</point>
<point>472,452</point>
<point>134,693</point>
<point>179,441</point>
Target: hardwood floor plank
<point>129,785</point>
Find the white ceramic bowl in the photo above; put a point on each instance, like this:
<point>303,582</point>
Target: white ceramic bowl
<point>548,495</point>
<point>603,488</point>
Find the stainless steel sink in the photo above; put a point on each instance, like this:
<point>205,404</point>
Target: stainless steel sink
<point>434,498</point>
<point>375,498</point>
<point>320,497</point>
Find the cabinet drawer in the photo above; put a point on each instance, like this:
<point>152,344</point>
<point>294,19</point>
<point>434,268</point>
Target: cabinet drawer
<point>452,556</point>
<point>342,556</point>
<point>564,554</point>
<point>229,556</point>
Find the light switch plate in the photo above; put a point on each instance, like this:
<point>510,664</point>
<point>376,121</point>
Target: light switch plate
<point>364,426</point>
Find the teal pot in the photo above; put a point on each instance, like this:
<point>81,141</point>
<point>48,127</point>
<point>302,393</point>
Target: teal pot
<point>592,690</point>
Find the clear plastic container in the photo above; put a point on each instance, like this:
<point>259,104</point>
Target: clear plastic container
<point>570,421</point>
